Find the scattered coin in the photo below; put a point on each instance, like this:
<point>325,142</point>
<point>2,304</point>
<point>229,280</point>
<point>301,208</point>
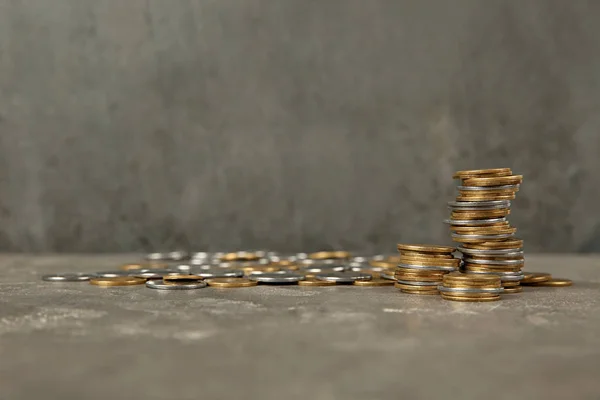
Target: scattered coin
<point>230,282</point>
<point>276,278</point>
<point>67,277</point>
<point>181,278</point>
<point>343,277</point>
<point>161,285</point>
<point>117,281</point>
<point>554,282</point>
<point>535,277</point>
<point>315,282</point>
<point>374,282</point>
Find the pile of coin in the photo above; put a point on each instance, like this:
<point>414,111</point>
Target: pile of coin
<point>422,267</point>
<point>478,223</point>
<point>459,286</point>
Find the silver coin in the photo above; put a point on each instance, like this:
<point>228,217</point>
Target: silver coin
<point>428,268</point>
<point>387,276</point>
<point>418,283</point>
<point>178,255</point>
<point>276,278</point>
<point>442,288</point>
<point>344,277</point>
<point>160,284</point>
<point>314,269</point>
<point>218,273</point>
<point>68,277</point>
<point>114,274</point>
<point>152,273</point>
<point>379,257</point>
<point>492,252</point>
<point>157,256</point>
<point>474,222</point>
<point>309,262</point>
<point>480,204</point>
<point>301,256</point>
<point>182,267</point>
<point>199,255</point>
<point>483,237</point>
<point>493,262</point>
<point>487,188</point>
<point>360,259</point>
<point>282,272</point>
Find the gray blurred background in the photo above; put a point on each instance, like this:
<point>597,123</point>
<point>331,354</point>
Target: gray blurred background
<point>292,124</point>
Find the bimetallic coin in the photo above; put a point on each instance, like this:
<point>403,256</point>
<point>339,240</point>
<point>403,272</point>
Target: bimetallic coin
<point>161,285</point>
<point>315,282</point>
<point>374,282</point>
<point>275,278</point>
<point>230,282</point>
<point>67,277</point>
<point>554,282</point>
<point>117,281</point>
<point>343,277</point>
<point>493,262</point>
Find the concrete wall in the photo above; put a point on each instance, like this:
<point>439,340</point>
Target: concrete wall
<point>292,124</point>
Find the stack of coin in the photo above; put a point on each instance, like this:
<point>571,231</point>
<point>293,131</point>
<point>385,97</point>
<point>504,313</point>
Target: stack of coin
<point>422,267</point>
<point>470,287</point>
<point>478,222</point>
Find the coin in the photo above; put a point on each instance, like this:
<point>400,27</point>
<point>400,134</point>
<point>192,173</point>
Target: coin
<point>312,281</point>
<point>448,268</point>
<point>446,296</point>
<point>217,272</point>
<point>152,273</point>
<point>67,277</point>
<point>275,278</point>
<point>512,290</point>
<point>181,278</point>
<point>240,256</point>
<point>322,268</point>
<point>343,277</point>
<point>504,244</point>
<point>230,282</point>
<point>476,173</point>
<point>478,205</point>
<point>494,181</point>
<point>475,222</point>
<point>417,283</point>
<point>117,281</point>
<point>425,248</point>
<point>321,255</point>
<point>374,282</point>
<point>485,214</point>
<point>431,262</point>
<point>137,266</point>
<point>161,285</point>
<point>554,282</point>
<point>480,238</point>
<point>517,262</point>
<point>111,274</point>
<point>536,277</point>
<point>487,188</point>
<point>492,290</point>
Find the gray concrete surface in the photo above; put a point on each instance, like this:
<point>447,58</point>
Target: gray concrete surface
<point>77,341</point>
<point>291,124</point>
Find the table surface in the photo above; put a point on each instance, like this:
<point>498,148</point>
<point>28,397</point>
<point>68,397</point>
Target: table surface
<point>78,341</point>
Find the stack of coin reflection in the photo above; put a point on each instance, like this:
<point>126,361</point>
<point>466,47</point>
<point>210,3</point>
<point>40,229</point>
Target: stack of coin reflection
<point>478,222</point>
<point>470,287</point>
<point>422,267</point>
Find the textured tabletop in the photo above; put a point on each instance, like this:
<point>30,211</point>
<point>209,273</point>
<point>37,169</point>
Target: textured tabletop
<point>77,341</point>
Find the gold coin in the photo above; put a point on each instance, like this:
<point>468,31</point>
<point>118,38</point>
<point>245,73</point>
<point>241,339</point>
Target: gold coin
<point>477,173</point>
<point>491,268</point>
<point>512,290</point>
<point>483,230</point>
<point>554,282</point>
<point>260,268</point>
<point>494,181</point>
<point>419,277</point>
<point>230,282</point>
<point>486,198</point>
<point>134,266</point>
<point>432,262</point>
<point>469,299</point>
<point>404,253</point>
<point>240,256</point>
<point>417,291</point>
<point>425,248</point>
<point>392,259</point>
<point>471,279</point>
<point>503,244</point>
<point>489,193</point>
<point>375,282</point>
<point>324,255</point>
<point>510,284</point>
<point>117,281</point>
<point>181,278</point>
<point>486,214</point>
<point>315,282</point>
<point>535,277</point>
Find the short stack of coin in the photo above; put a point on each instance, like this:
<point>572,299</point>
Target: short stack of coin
<point>422,267</point>
<point>478,222</point>
<point>470,287</point>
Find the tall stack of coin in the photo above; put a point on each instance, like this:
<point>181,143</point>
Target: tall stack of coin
<point>478,222</point>
<point>470,287</point>
<point>422,267</point>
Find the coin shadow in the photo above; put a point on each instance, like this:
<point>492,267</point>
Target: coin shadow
<point>576,285</point>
